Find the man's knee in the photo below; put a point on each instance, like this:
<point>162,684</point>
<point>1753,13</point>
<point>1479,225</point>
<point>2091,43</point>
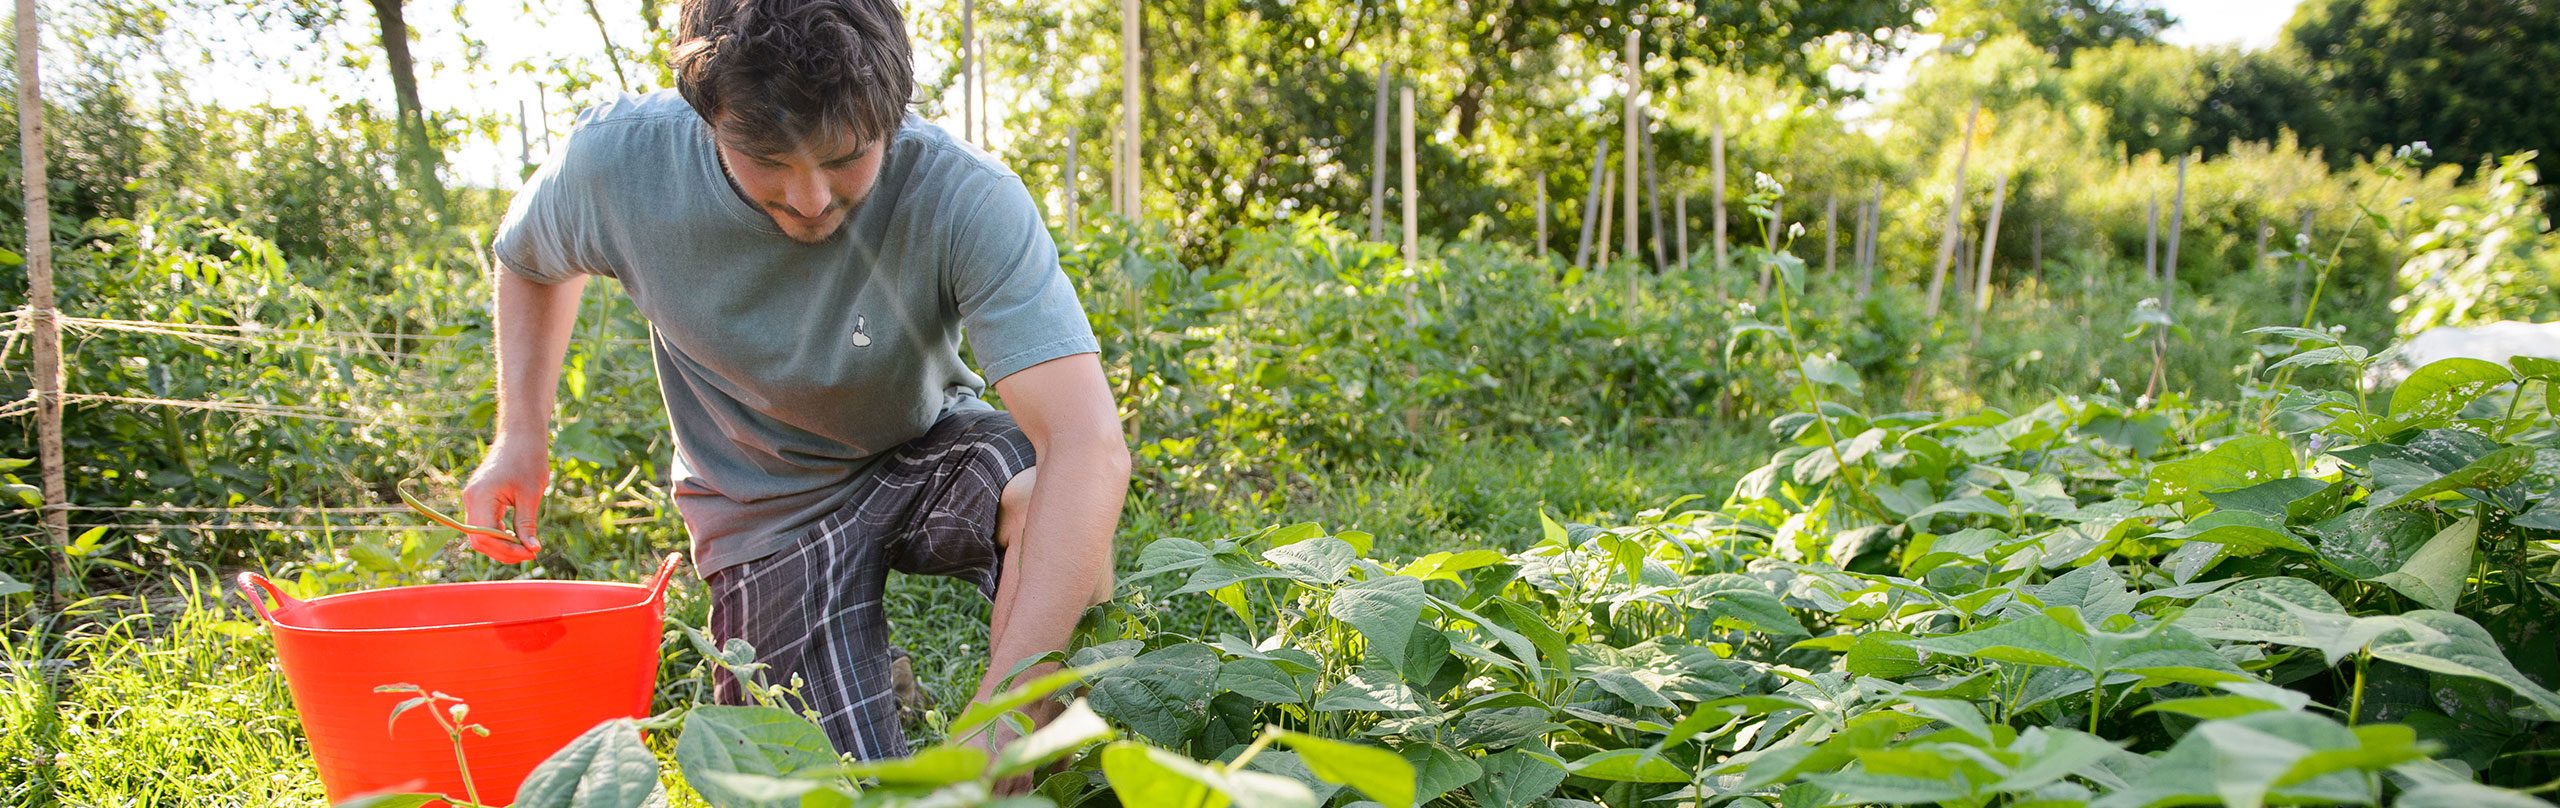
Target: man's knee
<point>1013,506</point>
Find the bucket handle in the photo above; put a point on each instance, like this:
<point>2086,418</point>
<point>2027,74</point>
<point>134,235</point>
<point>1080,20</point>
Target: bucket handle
<point>666,572</point>
<point>250,584</point>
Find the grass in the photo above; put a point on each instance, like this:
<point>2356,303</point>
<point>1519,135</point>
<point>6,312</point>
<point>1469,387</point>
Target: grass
<point>172,696</point>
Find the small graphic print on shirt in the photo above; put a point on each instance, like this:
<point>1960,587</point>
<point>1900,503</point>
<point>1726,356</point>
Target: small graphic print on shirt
<point>861,333</point>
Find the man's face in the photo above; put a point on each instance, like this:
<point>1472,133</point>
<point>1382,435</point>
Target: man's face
<point>810,190</point>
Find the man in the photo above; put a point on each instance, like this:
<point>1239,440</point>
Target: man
<point>808,255</point>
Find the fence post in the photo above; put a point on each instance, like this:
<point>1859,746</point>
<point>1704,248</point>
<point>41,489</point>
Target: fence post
<point>1680,215</point>
<point>2177,222</point>
<point>1075,226</point>
<point>1591,204</point>
<point>1990,247</point>
<point>1378,158</point>
<point>1955,212</point>
<point>1542,214</point>
<point>1715,186</point>
<point>1830,233</point>
<point>1129,151</point>
<point>2151,240</point>
<point>1411,194</point>
<point>41,315</point>
<point>1631,156</point>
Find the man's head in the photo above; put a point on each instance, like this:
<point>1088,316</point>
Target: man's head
<point>801,96</point>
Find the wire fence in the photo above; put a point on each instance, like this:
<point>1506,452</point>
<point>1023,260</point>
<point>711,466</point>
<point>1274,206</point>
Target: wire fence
<point>400,413</point>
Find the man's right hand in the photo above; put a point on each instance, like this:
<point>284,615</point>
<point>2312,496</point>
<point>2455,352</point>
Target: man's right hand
<point>510,478</point>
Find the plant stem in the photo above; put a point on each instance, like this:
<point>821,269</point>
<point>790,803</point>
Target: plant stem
<point>1269,733</point>
<point>2355,699</point>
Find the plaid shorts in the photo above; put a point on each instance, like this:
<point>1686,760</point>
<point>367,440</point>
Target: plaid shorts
<point>814,609</point>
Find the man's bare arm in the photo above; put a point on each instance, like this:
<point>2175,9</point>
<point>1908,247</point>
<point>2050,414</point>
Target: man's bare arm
<point>533,323</point>
<point>1064,406</point>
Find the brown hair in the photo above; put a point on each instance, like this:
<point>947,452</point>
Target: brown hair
<point>790,72</point>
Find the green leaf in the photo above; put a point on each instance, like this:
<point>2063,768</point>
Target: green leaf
<point>1162,695</point>
<point>2465,795</point>
<point>2284,611</point>
<point>933,767</point>
<point>2434,575</point>
<point>1144,775</point>
<point>605,767</point>
<point>2497,469</point>
<point>1370,691</point>
<point>1169,555</point>
<point>2364,543</point>
<point>1882,654</point>
<point>1378,773</point>
<point>2050,754</point>
<point>1438,770</point>
<point>1075,728</point>
<point>1629,766</point>
<point>1625,686</point>
<point>1516,779</point>
<point>86,543</point>
<point>1866,787</point>
<point>753,740</point>
<point>2236,463</point>
<point>1265,681</point>
<point>980,713</point>
<point>2545,515</point>
<point>1831,371</point>
<point>2452,644</point>
<point>2434,393</point>
<point>2274,498</point>
<point>1737,601</point>
<point>1318,561</point>
<point>2248,532</point>
<point>2322,357</point>
<point>12,587</point>
<point>1385,610</point>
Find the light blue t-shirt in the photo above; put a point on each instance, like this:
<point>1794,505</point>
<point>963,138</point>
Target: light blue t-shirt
<point>789,369</point>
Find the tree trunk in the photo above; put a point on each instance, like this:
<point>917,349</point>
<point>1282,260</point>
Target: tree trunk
<point>418,156</point>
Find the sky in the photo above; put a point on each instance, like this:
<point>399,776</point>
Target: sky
<point>523,39</point>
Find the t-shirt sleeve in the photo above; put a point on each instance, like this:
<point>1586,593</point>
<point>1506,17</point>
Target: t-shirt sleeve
<point>1016,305</point>
<point>554,229</point>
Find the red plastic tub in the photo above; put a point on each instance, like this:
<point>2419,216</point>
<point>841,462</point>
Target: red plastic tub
<point>538,661</point>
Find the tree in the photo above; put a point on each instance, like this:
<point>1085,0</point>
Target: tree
<point>2469,77</point>
<point>1260,109</point>
<point>2060,27</point>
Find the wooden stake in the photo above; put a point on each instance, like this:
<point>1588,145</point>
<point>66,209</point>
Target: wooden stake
<point>1608,210</point>
<point>1130,54</point>
<point>969,72</point>
<point>1632,155</point>
<point>1653,192</point>
<point>1069,181</point>
<point>1990,248</point>
<point>2260,262</point>
<point>2177,223</point>
<point>1771,227</point>
<point>2302,260</point>
<point>1680,201</point>
<point>1830,233</point>
<point>1378,160</point>
<point>1542,214</point>
<point>1412,194</point>
<point>2151,241</point>
<point>46,322</point>
<point>1591,204</point>
<point>1950,232</point>
<point>1715,186</point>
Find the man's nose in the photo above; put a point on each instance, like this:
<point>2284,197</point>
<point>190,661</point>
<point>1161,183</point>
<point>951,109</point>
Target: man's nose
<point>807,196</point>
